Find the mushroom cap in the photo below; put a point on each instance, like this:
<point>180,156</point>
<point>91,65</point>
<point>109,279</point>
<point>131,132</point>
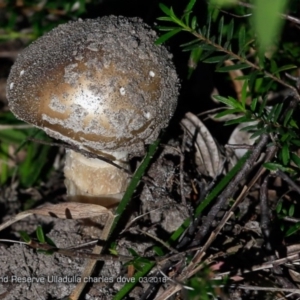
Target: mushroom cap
<point>100,84</point>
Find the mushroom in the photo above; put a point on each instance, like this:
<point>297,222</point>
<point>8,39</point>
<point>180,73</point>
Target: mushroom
<point>102,86</point>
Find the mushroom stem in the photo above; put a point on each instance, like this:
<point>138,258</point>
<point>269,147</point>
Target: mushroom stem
<point>95,181</point>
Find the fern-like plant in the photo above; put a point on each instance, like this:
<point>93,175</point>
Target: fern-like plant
<point>217,43</point>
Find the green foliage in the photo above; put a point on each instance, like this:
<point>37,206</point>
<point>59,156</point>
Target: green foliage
<point>293,229</point>
<point>266,19</point>
<point>203,287</point>
<point>267,12</point>
<point>41,16</point>
<point>219,43</point>
<point>41,237</point>
<point>158,251</point>
<point>284,209</point>
<point>25,236</point>
<point>27,20</point>
<point>223,2</point>
<point>40,234</point>
<point>29,169</point>
<point>267,120</point>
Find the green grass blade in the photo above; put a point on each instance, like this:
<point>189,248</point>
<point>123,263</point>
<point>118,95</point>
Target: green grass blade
<point>210,197</point>
<point>167,36</point>
<point>134,182</point>
<point>135,280</point>
<point>121,208</point>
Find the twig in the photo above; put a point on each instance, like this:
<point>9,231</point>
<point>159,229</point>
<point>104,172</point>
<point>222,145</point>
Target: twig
<point>181,174</point>
<point>172,250</point>
<point>239,146</point>
<point>198,257</point>
<point>230,189</point>
<point>141,216</point>
<point>264,266</point>
<point>291,219</point>
<point>89,267</point>
<point>152,289</point>
<point>288,180</point>
<point>271,241</point>
<point>265,214</point>
<point>263,288</point>
<point>211,111</point>
<point>79,254</point>
<point>284,16</point>
<point>20,126</point>
<point>189,271</point>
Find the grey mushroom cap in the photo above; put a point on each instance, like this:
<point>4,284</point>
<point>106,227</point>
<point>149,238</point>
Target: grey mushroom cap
<point>101,84</point>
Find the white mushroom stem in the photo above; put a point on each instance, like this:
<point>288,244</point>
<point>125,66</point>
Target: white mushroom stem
<point>94,180</point>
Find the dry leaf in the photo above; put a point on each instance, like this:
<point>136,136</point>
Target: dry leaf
<point>295,276</point>
<point>239,137</point>
<point>292,249</point>
<point>68,210</point>
<point>208,156</point>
